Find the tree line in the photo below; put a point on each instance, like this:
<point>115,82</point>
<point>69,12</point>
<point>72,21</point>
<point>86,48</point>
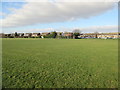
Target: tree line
<point>52,34</point>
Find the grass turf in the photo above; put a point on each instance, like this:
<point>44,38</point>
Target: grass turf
<point>60,63</point>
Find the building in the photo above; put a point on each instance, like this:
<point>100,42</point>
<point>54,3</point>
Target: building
<point>45,34</point>
<point>59,33</point>
<point>2,35</point>
<point>109,35</point>
<point>34,34</point>
<point>101,35</point>
<point>26,35</point>
<point>68,34</point>
<point>20,34</point>
<point>88,35</point>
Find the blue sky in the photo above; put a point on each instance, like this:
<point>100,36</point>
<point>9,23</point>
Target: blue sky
<point>7,5</point>
<point>107,18</point>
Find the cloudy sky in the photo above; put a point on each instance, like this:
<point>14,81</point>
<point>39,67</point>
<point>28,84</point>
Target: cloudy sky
<point>50,15</point>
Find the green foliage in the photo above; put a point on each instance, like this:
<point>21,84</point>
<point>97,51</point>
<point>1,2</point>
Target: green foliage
<point>63,37</point>
<point>76,34</point>
<point>22,34</point>
<point>59,63</point>
<point>52,35</point>
<point>16,34</point>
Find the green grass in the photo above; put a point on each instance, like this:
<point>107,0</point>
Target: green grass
<point>60,63</point>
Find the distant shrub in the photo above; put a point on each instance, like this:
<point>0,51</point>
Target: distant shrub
<point>11,36</point>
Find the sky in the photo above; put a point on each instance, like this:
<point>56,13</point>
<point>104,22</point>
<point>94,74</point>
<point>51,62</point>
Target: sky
<point>53,15</point>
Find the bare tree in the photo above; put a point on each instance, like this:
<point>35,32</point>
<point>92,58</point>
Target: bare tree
<point>76,33</point>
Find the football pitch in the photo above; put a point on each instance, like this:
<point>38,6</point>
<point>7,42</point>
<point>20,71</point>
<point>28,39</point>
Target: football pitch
<point>59,63</point>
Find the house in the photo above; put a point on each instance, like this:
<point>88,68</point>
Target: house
<point>2,35</point>
<point>42,35</point>
<point>13,34</point>
<point>7,35</point>
<point>26,35</point>
<point>68,34</point>
<point>101,35</point>
<point>45,34</point>
<point>88,35</point>
<point>109,35</point>
<point>20,35</point>
<point>59,33</point>
<point>34,34</point>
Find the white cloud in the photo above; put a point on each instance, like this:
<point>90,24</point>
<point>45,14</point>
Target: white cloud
<point>60,0</point>
<point>106,28</point>
<point>2,14</point>
<point>49,12</point>
<point>12,10</point>
<point>91,29</point>
<point>31,30</point>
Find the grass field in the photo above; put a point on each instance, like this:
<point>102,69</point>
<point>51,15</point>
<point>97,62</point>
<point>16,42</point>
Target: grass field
<point>58,63</point>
